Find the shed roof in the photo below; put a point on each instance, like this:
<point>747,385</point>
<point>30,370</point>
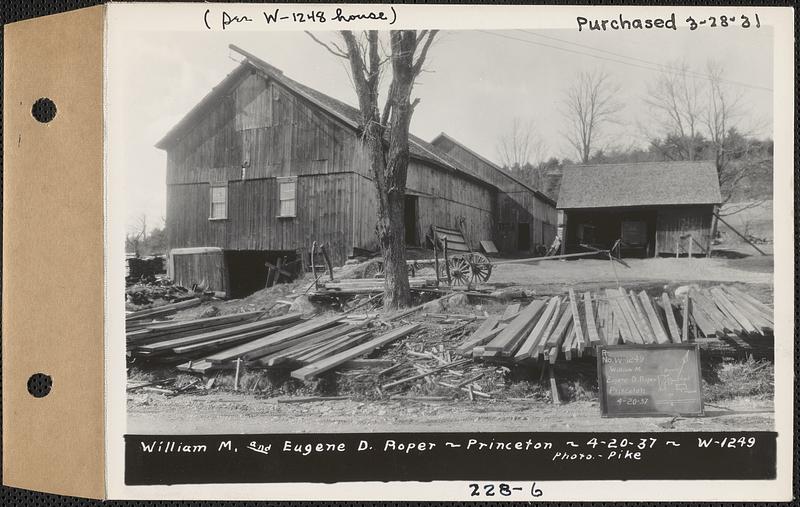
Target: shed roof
<point>639,184</point>
<point>347,114</point>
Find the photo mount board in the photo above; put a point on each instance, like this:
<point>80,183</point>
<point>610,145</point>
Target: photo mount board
<point>53,227</point>
<point>54,198</point>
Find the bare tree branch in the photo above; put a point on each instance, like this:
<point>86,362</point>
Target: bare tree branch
<point>335,50</point>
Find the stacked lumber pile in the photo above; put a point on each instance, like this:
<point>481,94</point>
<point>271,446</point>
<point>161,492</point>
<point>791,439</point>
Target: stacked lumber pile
<point>145,317</point>
<point>308,347</point>
<point>725,310</point>
<point>576,324</point>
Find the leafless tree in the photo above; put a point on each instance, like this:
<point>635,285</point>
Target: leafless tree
<point>385,132</point>
<point>520,145</point>
<point>675,99</point>
<point>137,234</point>
<point>590,103</point>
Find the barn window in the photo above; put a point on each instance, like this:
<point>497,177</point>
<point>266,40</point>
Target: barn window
<point>219,201</point>
<point>288,197</point>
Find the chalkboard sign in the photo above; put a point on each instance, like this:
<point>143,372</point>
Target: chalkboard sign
<point>649,380</point>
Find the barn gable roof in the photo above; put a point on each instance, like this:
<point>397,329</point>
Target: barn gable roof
<point>345,113</point>
<point>639,184</point>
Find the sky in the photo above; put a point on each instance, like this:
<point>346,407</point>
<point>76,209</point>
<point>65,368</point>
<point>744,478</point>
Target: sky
<point>475,84</point>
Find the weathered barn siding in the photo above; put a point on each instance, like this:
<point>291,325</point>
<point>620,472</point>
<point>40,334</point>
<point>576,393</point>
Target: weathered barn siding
<point>441,200</point>
<point>262,126</point>
<point>206,269</point>
<point>517,205</point>
<point>674,223</point>
<point>253,222</point>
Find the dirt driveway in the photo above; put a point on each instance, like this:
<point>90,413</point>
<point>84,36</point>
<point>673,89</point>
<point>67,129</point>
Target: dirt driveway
<point>752,270</point>
<point>228,412</point>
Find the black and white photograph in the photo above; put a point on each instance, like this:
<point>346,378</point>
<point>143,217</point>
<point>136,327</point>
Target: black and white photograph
<point>565,229</point>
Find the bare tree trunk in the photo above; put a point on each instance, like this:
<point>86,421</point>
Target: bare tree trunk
<point>388,157</point>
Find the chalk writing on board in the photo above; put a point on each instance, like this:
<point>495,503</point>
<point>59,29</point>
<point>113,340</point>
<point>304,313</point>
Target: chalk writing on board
<point>650,380</point>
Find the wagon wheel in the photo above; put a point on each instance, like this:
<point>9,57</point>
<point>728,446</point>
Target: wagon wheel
<point>480,267</point>
<point>460,271</point>
<point>374,270</point>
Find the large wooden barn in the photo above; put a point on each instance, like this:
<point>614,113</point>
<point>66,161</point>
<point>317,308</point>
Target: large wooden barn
<point>654,208</point>
<point>263,166</point>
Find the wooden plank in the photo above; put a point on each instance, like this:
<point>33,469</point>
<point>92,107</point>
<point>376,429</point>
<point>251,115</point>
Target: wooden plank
<point>602,320</point>
<point>655,323</point>
<point>526,349</point>
<point>721,300</point>
<point>555,339</point>
<point>157,336</point>
<point>328,363</point>
<point>685,323</point>
<point>477,336</point>
<point>767,312</point>
<point>642,321</point>
<point>629,314</point>
<point>615,300</point>
<point>706,326</point>
<point>516,328</point>
<point>306,355</point>
<point>672,324</point>
<point>256,348</point>
<point>303,343</point>
<point>591,323</point>
<point>614,336</point>
<point>553,385</point>
<point>489,247</point>
<point>752,313</point>
<point>345,343</point>
<point>478,343</point>
<point>511,311</point>
<point>250,327</point>
<point>164,309</point>
<point>576,319</point>
<point>227,340</point>
<point>721,323</point>
<point>541,343</point>
<point>731,322</point>
<point>182,325</point>
<point>570,341</point>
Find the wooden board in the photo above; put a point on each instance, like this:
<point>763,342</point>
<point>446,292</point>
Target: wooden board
<point>220,333</point>
<point>256,348</point>
<point>510,336</point>
<point>672,324</point>
<point>655,322</point>
<point>650,380</point>
<point>326,364</point>
<point>489,247</point>
<point>537,333</point>
<point>576,320</point>
<point>591,323</point>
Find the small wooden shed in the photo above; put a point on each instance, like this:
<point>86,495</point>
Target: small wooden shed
<point>653,208</point>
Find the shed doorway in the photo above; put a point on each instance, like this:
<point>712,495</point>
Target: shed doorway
<point>410,219</point>
<point>523,236</point>
<point>248,269</point>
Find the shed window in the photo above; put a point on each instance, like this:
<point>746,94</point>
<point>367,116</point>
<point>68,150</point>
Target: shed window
<point>219,202</point>
<point>288,197</point>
